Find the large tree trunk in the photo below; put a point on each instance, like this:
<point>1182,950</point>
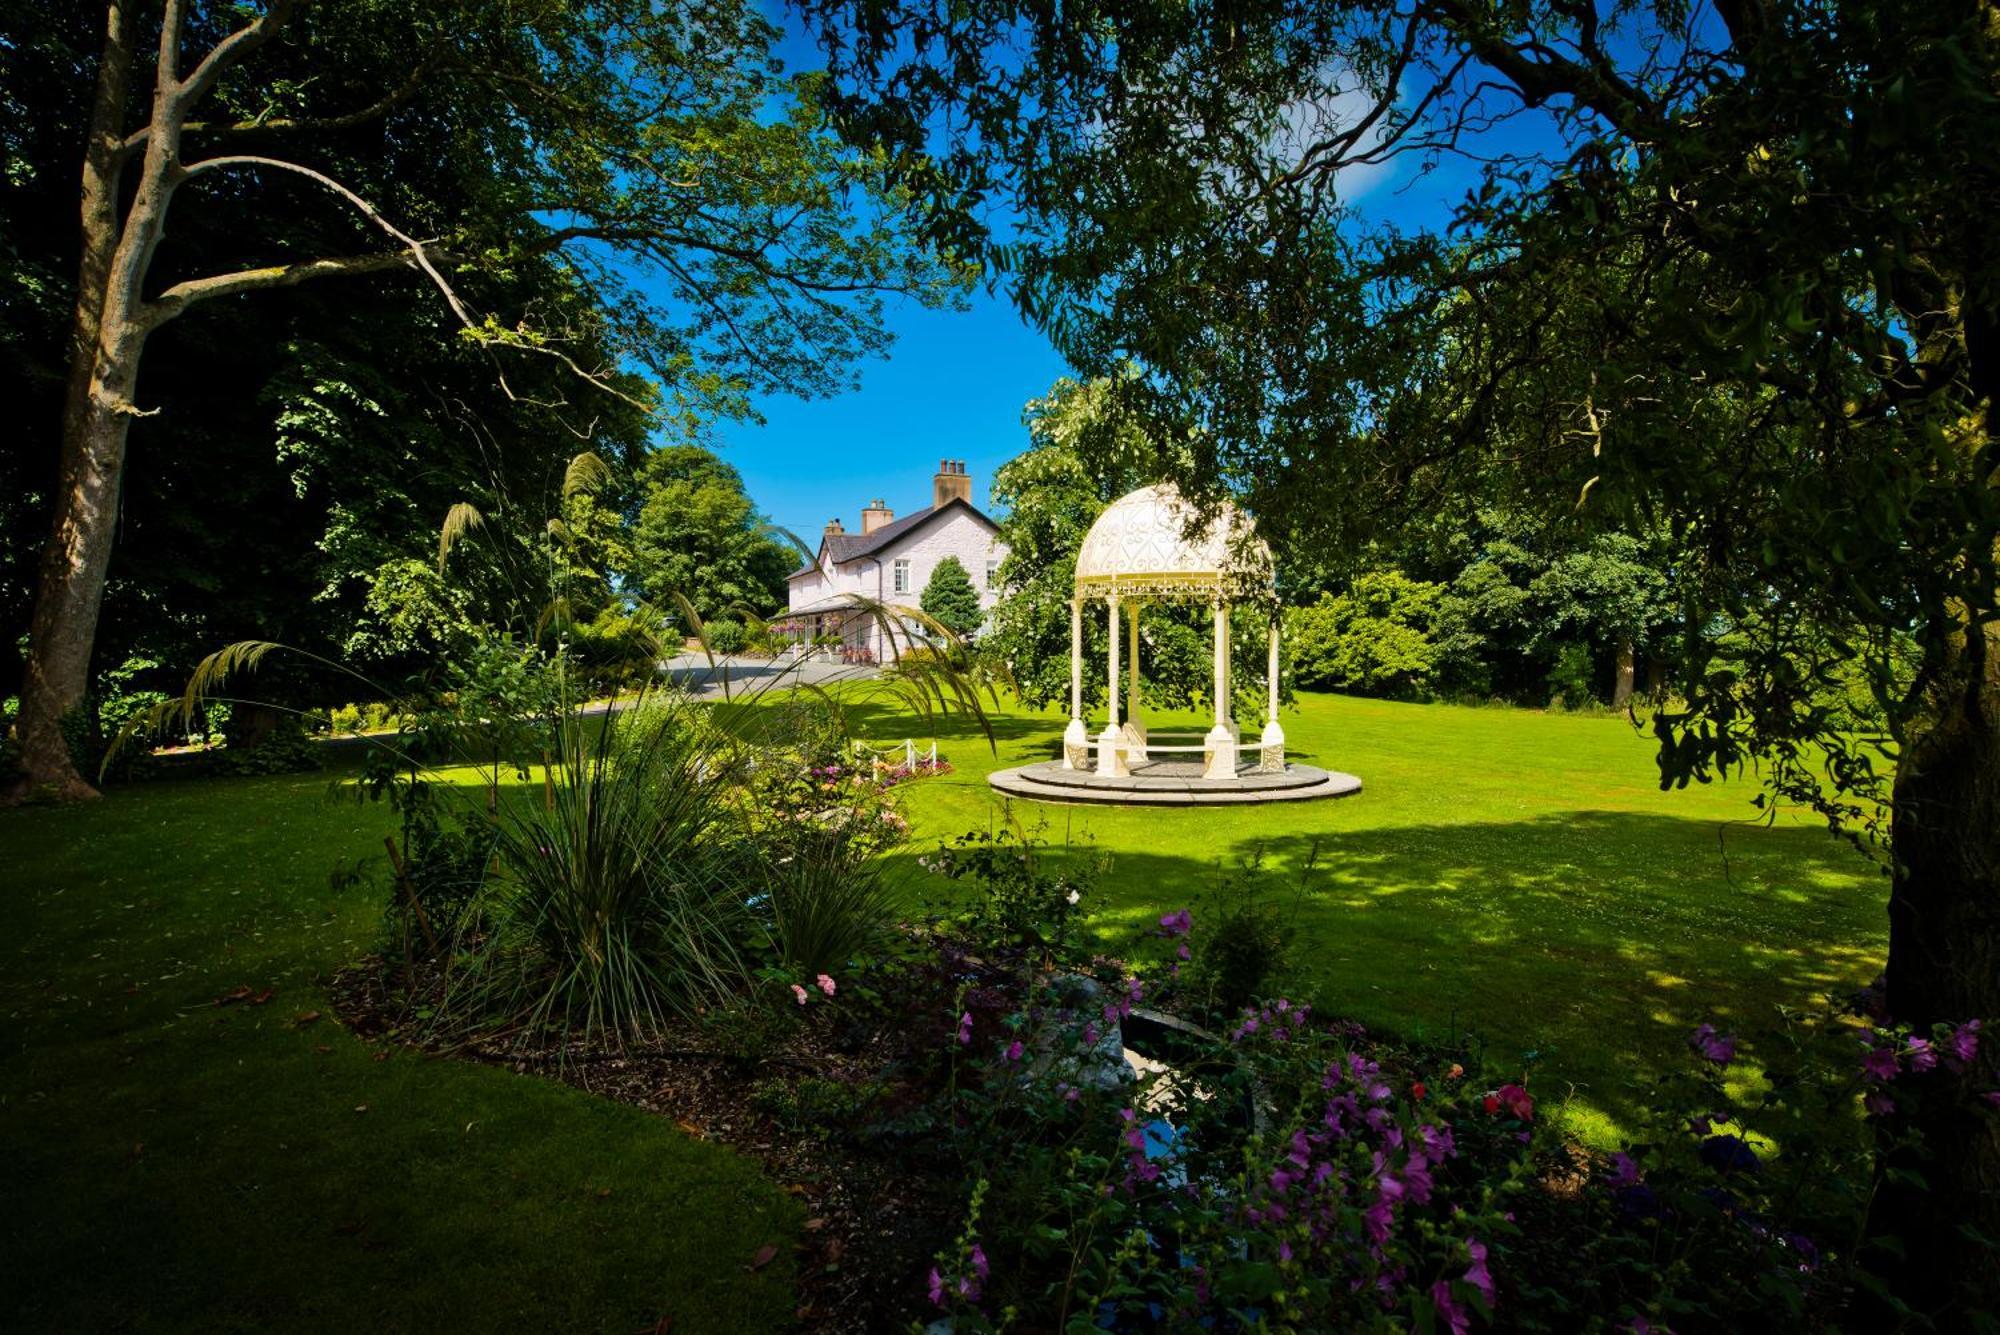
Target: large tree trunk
<point>57,673</point>
<point>1944,965</point>
<point>64,629</point>
<point>1621,687</point>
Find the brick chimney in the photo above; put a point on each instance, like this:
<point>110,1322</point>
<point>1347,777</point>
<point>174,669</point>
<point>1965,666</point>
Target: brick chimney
<point>875,515</point>
<point>833,527</point>
<point>951,483</point>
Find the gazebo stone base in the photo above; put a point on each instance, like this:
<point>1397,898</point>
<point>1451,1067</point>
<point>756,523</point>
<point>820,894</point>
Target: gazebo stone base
<point>1172,783</point>
<point>1111,754</point>
<point>1076,746</point>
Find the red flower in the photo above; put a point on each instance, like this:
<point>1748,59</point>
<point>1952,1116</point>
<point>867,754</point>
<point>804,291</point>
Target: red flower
<point>1492,1104</point>
<point>1417,1091</point>
<point>1514,1099</point>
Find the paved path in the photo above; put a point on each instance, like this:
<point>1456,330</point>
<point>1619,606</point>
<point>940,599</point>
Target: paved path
<point>692,672</point>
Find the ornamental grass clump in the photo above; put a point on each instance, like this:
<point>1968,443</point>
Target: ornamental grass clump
<point>619,901</point>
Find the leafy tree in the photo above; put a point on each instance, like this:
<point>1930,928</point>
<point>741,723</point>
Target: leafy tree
<point>695,532</point>
<point>656,157</point>
<point>1734,276</point>
<point>1373,639</point>
<point>950,600</point>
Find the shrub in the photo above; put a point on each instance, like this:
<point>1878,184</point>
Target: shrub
<point>1245,944</point>
<point>1572,679</point>
<point>724,636</point>
<point>1022,897</point>
<point>1373,639</point>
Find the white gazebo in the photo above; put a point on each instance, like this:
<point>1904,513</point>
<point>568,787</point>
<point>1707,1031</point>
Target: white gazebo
<point>1147,548</point>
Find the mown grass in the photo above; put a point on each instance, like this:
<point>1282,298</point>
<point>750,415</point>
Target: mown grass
<point>170,1164</point>
<point>1513,874</point>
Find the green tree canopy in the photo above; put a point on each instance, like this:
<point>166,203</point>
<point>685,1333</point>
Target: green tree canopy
<point>696,533</point>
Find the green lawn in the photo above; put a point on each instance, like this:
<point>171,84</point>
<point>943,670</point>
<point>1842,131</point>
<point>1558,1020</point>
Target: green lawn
<point>1516,874</point>
<point>170,1164</point>
<point>173,1165</point>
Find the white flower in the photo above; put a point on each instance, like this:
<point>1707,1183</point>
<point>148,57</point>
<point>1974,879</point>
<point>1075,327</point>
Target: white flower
<point>1074,896</point>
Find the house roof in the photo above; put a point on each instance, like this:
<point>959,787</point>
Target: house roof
<point>845,547</point>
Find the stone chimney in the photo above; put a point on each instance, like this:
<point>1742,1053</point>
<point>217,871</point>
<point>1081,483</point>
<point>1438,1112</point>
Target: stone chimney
<point>875,515</point>
<point>833,527</point>
<point>951,483</point>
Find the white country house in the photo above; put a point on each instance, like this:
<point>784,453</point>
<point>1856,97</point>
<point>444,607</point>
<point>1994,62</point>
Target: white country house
<point>888,563</point>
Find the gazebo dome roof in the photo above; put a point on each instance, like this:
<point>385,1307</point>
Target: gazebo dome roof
<point>1141,545</point>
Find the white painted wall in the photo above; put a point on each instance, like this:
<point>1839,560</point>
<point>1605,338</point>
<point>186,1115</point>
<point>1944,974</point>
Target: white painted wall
<point>958,534</point>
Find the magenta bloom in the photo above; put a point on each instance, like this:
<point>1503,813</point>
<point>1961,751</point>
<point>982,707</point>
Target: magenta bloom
<point>1715,1047</point>
<point>1451,1313</point>
<point>1516,1101</point>
<point>1178,923</point>
<point>1963,1045</point>
<point>1922,1055</point>
<point>1624,1171</point>
<point>825,984</point>
<point>978,1260</point>
<point>1878,1103</point>
<point>1477,1274</point>
<point>800,993</point>
<point>1879,1064</point>
<point>965,1028</point>
<point>1014,1050</point>
<point>937,1288</point>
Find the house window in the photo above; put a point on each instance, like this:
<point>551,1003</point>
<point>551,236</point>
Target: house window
<point>992,575</point>
<point>903,575</point>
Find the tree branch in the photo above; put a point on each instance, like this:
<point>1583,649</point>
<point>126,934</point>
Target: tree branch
<point>180,296</point>
<point>230,51</point>
<point>302,125</point>
<point>416,249</point>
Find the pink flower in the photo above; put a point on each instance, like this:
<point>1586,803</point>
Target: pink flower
<point>800,993</point>
<point>826,984</point>
<point>1178,923</point>
<point>965,1028</point>
<point>1451,1313</point>
<point>1516,1101</point>
<point>1014,1050</point>
<point>1879,1064</point>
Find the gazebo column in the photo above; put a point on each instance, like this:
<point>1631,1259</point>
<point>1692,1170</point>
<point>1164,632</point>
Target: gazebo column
<point>1135,730</point>
<point>1221,741</point>
<point>1271,758</point>
<point>1076,737</point>
<point>1111,742</point>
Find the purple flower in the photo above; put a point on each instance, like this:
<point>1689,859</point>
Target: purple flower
<point>1922,1055</point>
<point>1715,1047</point>
<point>1184,952</point>
<point>937,1288</point>
<point>1178,923</point>
<point>1376,1219</point>
<point>965,1028</point>
<point>1879,1064</point>
<point>1014,1050</point>
<point>978,1260</point>
<point>1451,1313</point>
<point>1963,1045</point>
<point>1624,1171</point>
<point>1089,1035</point>
<point>1878,1103</point>
<point>1477,1274</point>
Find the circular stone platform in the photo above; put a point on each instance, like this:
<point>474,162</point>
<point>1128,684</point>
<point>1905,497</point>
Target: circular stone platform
<point>1172,783</point>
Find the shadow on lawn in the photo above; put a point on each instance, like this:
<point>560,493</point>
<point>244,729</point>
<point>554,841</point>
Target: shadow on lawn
<point>1597,939</point>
